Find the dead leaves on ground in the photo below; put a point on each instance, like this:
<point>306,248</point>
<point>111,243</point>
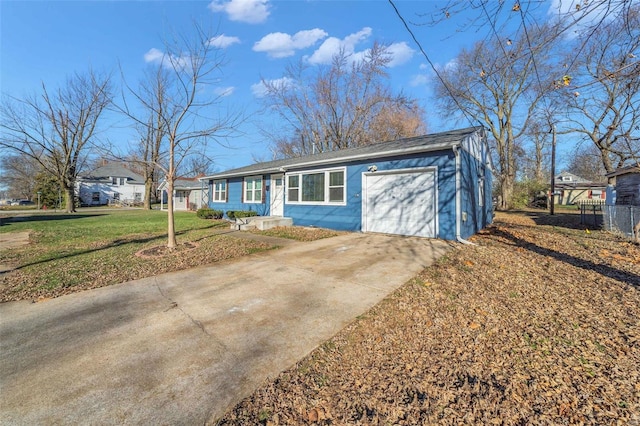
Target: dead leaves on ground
<point>537,324</point>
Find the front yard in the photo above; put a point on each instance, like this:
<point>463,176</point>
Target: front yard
<point>73,252</point>
<point>539,323</point>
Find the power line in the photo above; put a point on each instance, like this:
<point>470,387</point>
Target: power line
<point>435,70</point>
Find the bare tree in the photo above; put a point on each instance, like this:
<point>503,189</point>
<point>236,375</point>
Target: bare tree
<point>585,161</point>
<point>343,105</point>
<point>18,172</point>
<point>496,83</point>
<point>603,98</point>
<point>182,111</point>
<point>535,154</point>
<point>152,94</point>
<point>57,130</point>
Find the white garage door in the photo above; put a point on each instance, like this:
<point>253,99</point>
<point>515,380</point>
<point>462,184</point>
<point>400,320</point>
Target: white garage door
<point>400,203</point>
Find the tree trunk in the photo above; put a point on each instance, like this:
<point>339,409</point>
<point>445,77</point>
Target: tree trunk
<point>506,192</point>
<point>148,186</point>
<point>69,198</point>
<point>171,230</point>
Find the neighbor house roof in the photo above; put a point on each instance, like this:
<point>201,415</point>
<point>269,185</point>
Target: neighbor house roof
<point>575,181</point>
<point>183,183</point>
<point>106,172</point>
<point>634,168</point>
<point>426,143</point>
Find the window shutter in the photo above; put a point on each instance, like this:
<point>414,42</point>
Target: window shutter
<point>242,192</point>
<point>589,194</point>
<point>264,187</point>
<point>603,195</point>
<point>226,190</point>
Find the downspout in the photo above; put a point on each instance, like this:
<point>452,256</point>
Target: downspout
<point>459,238</point>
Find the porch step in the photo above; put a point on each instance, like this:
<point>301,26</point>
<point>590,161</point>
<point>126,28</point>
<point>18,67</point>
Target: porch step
<point>261,222</point>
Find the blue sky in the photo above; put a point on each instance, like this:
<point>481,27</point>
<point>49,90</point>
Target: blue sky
<point>45,41</point>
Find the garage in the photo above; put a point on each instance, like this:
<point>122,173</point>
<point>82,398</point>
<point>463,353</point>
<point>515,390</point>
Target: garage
<point>400,202</point>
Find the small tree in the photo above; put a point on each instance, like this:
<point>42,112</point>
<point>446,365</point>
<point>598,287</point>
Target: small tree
<point>179,106</point>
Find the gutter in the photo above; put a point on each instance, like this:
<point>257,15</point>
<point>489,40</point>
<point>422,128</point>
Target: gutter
<point>456,152</point>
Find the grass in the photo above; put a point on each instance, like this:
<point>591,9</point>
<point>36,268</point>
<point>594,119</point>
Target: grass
<point>72,252</point>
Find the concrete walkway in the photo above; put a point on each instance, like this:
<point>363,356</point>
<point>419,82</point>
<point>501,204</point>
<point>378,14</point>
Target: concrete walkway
<point>183,347</point>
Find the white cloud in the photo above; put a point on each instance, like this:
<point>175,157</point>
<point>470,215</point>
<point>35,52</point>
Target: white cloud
<point>331,46</point>
<point>249,11</point>
<point>153,55</point>
<point>259,90</point>
<point>222,41</point>
<point>224,91</point>
<point>424,66</point>
<point>400,53</point>
<point>419,80</point>
<point>157,56</point>
<point>281,45</point>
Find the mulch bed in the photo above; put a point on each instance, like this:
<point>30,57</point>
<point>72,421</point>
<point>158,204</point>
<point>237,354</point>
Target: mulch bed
<point>538,323</point>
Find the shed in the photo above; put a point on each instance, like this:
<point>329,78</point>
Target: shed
<point>627,186</point>
<point>436,186</point>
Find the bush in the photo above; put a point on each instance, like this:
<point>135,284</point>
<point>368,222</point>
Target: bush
<point>207,213</point>
<point>237,214</point>
<point>525,193</point>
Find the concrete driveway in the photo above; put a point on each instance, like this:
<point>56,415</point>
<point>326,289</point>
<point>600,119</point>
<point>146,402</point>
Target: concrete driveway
<point>183,347</point>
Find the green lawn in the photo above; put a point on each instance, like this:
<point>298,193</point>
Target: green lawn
<point>72,252</point>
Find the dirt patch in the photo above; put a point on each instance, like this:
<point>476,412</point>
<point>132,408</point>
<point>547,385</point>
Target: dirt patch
<point>538,323</point>
<point>160,251</point>
<point>9,241</point>
<point>13,240</point>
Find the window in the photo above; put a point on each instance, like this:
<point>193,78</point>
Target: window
<point>566,178</point>
<point>481,192</point>
<point>95,197</point>
<point>123,181</point>
<point>114,181</point>
<point>116,196</point>
<point>220,191</point>
<point>253,189</point>
<point>336,187</point>
<point>293,188</point>
<point>321,187</point>
<point>313,187</point>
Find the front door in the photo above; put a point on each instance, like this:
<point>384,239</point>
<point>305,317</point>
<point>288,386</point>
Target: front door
<point>277,195</point>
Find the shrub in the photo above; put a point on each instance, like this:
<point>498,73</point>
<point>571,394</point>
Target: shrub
<point>207,213</point>
<point>237,214</point>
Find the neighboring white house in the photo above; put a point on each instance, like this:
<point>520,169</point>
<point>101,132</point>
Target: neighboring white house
<point>112,183</point>
<point>187,194</point>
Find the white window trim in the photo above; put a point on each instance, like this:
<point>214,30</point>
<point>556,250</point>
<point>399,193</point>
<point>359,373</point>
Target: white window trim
<point>326,187</point>
<point>216,193</point>
<point>244,189</point>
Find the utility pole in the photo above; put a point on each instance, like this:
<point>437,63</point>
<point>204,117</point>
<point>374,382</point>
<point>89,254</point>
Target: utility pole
<point>553,170</point>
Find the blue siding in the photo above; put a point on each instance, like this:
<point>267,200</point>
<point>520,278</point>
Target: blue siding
<point>349,216</point>
<point>234,187</point>
<point>478,216</point>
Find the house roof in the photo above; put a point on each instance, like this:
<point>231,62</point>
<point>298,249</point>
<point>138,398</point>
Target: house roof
<point>183,183</point>
<point>106,172</point>
<point>634,168</point>
<point>574,178</point>
<point>426,143</point>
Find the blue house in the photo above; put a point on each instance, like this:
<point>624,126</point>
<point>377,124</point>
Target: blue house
<point>436,186</point>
